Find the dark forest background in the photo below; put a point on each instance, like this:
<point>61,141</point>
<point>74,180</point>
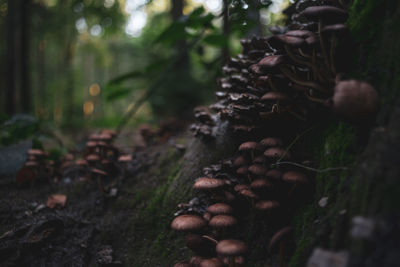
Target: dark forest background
<point>84,63</point>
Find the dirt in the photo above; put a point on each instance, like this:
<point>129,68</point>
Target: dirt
<point>35,235</point>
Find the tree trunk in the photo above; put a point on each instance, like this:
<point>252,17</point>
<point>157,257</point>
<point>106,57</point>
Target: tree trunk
<point>181,46</point>
<point>26,93</point>
<point>225,31</point>
<point>12,29</point>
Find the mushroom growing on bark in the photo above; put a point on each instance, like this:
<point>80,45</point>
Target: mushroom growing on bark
<point>354,101</point>
<point>231,248</point>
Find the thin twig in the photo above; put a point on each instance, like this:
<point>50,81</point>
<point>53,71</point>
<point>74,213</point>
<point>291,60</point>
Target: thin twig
<point>309,168</point>
<point>292,143</point>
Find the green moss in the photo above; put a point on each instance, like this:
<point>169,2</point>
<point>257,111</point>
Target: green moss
<point>332,147</point>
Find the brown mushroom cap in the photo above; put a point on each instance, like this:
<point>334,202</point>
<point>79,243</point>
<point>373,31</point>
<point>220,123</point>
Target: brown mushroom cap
<point>279,236</point>
<point>222,221</point>
<point>81,162</point>
<point>260,159</point>
<point>92,158</point>
<point>304,34</point>
<point>260,184</point>
<point>205,183</point>
<point>242,170</point>
<point>213,262</point>
<point>231,247</point>
<point>276,153</point>
<point>355,101</point>
<point>99,172</point>
<point>271,142</point>
<point>275,96</point>
<point>249,146</point>
<point>125,158</point>
<point>91,144</point>
<point>248,193</point>
<point>257,169</point>
<point>337,29</point>
<point>295,177</point>
<point>36,152</point>
<point>240,187</point>
<point>288,40</point>
<point>182,264</point>
<point>220,208</point>
<point>274,174</point>
<point>271,62</point>
<point>239,161</point>
<point>327,14</point>
<point>266,205</point>
<point>188,223</point>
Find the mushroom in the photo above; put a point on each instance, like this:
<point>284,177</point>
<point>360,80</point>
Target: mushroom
<point>182,264</point>
<point>188,223</point>
<point>201,245</point>
<point>294,178</point>
<point>354,101</point>
<point>324,15</point>
<point>231,248</point>
<point>211,185</point>
<point>250,147</point>
<point>213,262</point>
<point>267,206</point>
<point>280,239</point>
<point>220,208</point>
<point>276,153</point>
<point>222,223</point>
<point>271,142</point>
<point>99,174</point>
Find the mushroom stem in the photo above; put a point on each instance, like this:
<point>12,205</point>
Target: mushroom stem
<point>303,62</point>
<point>332,54</point>
<point>232,262</point>
<point>100,184</point>
<point>323,49</point>
<point>295,79</point>
<point>282,260</point>
<point>314,99</point>
<point>295,115</point>
<point>301,52</point>
<point>272,85</point>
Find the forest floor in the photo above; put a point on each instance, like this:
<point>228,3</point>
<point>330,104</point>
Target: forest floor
<point>93,229</point>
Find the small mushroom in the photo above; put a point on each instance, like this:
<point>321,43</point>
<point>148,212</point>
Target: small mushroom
<point>213,262</point>
<point>222,223</point>
<point>220,208</point>
<point>202,245</point>
<point>188,223</point>
<point>354,101</point>
<point>99,174</point>
<point>281,239</point>
<point>231,248</point>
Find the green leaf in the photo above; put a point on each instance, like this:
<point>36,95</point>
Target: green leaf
<point>124,77</point>
<point>217,40</point>
<point>115,93</point>
<point>173,33</point>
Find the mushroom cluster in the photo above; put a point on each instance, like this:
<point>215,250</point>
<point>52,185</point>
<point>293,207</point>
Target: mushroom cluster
<point>278,86</point>
<point>99,160</point>
<point>37,167</point>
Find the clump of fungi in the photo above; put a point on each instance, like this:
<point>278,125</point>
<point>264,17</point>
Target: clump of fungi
<point>271,92</point>
<point>99,162</point>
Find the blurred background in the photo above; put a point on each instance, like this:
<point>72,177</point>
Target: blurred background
<point>79,64</point>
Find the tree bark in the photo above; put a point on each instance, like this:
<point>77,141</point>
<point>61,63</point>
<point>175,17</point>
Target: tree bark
<point>12,23</point>
<point>26,92</point>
